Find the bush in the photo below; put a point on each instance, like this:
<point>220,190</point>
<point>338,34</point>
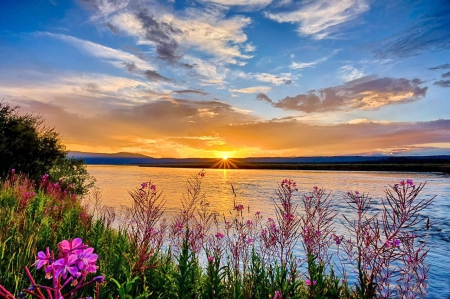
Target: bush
<point>28,147</point>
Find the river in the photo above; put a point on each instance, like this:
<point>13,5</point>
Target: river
<point>256,188</point>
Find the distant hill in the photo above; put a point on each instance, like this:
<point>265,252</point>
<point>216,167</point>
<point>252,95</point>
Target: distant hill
<point>124,158</point>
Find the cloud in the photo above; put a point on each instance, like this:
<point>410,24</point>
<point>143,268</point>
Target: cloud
<point>440,67</point>
<point>350,73</point>
<point>191,91</point>
<point>155,76</point>
<point>253,89</point>
<point>321,18</point>
<point>364,93</point>
<point>182,128</point>
<point>429,34</point>
<point>279,79</point>
<point>302,65</point>
<point>209,73</point>
<point>115,57</point>
<point>160,33</point>
<point>255,4</point>
<point>446,75</point>
<point>206,30</point>
<point>103,8</point>
<point>442,83</point>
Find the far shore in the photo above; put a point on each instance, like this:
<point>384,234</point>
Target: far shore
<point>402,167</point>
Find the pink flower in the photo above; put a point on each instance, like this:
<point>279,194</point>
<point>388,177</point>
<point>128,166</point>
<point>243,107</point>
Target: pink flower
<point>309,283</point>
<point>201,173</point>
<point>43,258</point>
<point>249,241</point>
<point>249,222</point>
<point>66,266</point>
<point>72,245</point>
<point>144,185</point>
<point>87,259</point>
<point>210,259</point>
<point>220,235</point>
<point>239,208</point>
<point>277,295</point>
<point>13,171</point>
<point>153,187</point>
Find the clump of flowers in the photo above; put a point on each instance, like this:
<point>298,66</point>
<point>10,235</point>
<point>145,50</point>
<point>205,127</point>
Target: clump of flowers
<point>74,262</point>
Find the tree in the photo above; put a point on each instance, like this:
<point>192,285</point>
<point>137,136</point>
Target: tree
<point>31,148</point>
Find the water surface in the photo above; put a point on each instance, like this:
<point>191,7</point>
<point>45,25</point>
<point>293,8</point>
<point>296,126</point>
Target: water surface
<point>256,188</point>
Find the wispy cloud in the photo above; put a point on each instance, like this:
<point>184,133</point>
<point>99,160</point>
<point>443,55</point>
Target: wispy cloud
<point>110,55</point>
<point>275,79</point>
<point>255,4</point>
<point>253,89</point>
<point>350,73</point>
<point>190,91</point>
<point>209,31</point>
<point>321,18</point>
<point>302,65</point>
<point>429,33</point>
<point>440,67</point>
<point>442,83</point>
<point>364,93</point>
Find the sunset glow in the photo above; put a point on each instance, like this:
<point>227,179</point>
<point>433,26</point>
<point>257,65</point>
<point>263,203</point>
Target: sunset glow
<point>218,79</point>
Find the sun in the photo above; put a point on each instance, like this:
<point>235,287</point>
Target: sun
<point>224,157</point>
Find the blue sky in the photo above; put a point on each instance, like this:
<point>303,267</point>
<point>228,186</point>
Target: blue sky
<point>239,78</point>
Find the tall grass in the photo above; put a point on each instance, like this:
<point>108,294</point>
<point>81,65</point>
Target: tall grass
<point>197,254</point>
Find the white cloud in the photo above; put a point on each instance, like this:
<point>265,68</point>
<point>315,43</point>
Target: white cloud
<point>350,73</point>
<point>253,89</point>
<point>247,3</point>
<point>212,74</point>
<point>319,18</point>
<point>302,65</point>
<point>206,30</point>
<point>113,56</point>
<point>281,79</point>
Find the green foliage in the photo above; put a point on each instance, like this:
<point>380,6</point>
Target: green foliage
<point>30,148</point>
<point>323,285</point>
<point>188,274</point>
<point>72,171</point>
<point>26,145</point>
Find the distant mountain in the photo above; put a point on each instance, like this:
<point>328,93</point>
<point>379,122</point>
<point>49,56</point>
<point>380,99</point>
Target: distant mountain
<point>124,158</point>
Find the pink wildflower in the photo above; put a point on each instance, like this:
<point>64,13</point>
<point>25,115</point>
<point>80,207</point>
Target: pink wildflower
<point>220,235</point>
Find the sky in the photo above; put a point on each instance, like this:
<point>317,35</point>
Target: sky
<point>236,78</point>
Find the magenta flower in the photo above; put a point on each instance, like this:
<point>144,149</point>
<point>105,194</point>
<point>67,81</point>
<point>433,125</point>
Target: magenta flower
<point>66,266</point>
<point>249,222</point>
<point>249,241</point>
<point>239,208</point>
<point>13,171</point>
<point>43,258</point>
<point>220,235</point>
<point>86,259</point>
<point>309,282</point>
<point>210,259</point>
<point>277,295</point>
<point>144,185</point>
<point>153,187</point>
<point>72,245</point>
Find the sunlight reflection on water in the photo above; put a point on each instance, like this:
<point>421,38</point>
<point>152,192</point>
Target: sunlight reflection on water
<point>256,188</point>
